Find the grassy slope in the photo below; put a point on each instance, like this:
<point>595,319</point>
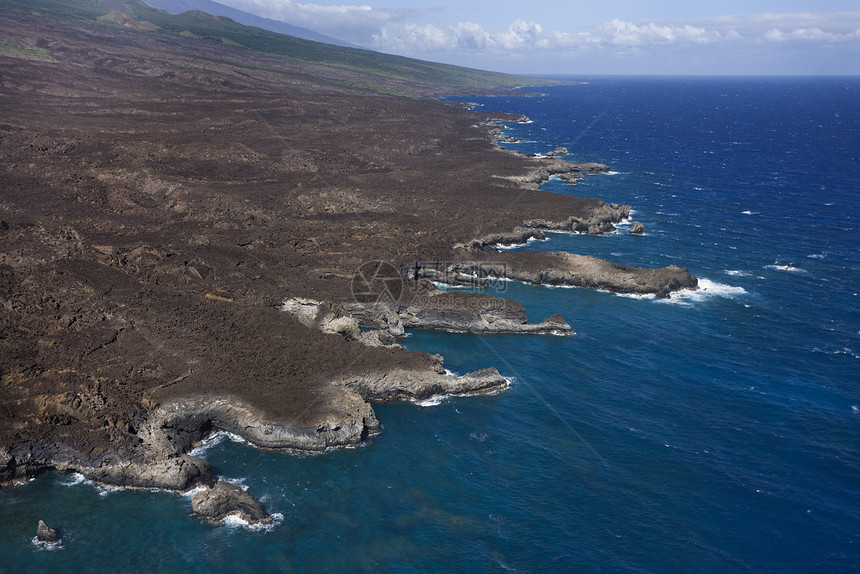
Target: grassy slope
<point>226,31</point>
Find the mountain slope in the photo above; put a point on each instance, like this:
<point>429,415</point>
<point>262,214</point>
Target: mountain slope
<point>383,73</point>
<point>246,18</point>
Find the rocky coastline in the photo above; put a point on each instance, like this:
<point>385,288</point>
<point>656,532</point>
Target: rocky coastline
<point>159,285</point>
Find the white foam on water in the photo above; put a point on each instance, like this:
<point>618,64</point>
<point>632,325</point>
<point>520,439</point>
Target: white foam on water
<point>441,399</point>
<point>748,212</point>
<point>236,521</point>
<point>240,482</point>
<point>855,409</point>
<point>214,439</point>
<point>433,401</point>
<point>816,256</point>
<point>509,246</point>
<point>191,492</point>
<point>844,351</point>
<point>789,268</point>
<point>47,546</point>
<point>610,172</point>
<point>707,289</point>
<point>73,479</point>
<point>446,287</point>
<point>737,273</point>
<point>632,295</point>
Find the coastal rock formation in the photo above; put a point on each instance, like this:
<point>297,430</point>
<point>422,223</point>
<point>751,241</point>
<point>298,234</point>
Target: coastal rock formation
<point>224,499</point>
<point>544,168</point>
<point>334,319</point>
<point>475,313</point>
<point>558,269</point>
<point>46,535</point>
<point>180,424</point>
<point>518,235</point>
<point>421,386</point>
<point>426,307</point>
<point>637,228</point>
<point>598,220</point>
<point>161,284</point>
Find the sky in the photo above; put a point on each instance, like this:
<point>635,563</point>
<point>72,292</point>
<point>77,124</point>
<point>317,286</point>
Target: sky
<point>597,37</point>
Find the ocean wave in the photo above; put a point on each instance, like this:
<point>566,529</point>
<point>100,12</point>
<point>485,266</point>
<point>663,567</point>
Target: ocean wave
<point>782,267</point>
<point>748,212</point>
<point>192,491</point>
<point>843,351</point>
<point>240,482</point>
<point>707,290</point>
<point>76,478</point>
<point>47,546</point>
<point>214,439</point>
<point>437,400</point>
<point>433,401</point>
<point>816,256</point>
<point>73,479</point>
<point>509,246</point>
<point>737,273</point>
<point>236,521</point>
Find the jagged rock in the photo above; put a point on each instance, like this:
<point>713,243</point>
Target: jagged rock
<point>381,315</point>
<point>515,237</point>
<point>224,499</point>
<point>400,384</point>
<point>336,319</point>
<point>474,313</point>
<point>561,150</point>
<point>45,534</point>
<point>568,269</point>
<point>599,220</point>
<point>637,228</point>
<point>549,166</point>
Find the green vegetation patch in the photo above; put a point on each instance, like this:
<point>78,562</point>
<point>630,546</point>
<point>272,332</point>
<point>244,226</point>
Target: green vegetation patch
<point>25,53</point>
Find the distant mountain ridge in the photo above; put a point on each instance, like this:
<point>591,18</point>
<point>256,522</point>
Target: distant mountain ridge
<point>246,18</point>
<point>351,68</point>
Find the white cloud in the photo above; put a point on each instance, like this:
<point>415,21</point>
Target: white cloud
<point>752,43</point>
<point>353,23</point>
<point>618,35</point>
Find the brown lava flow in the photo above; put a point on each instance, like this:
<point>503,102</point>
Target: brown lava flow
<point>161,197</point>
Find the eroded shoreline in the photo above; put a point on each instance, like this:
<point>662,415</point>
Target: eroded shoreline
<point>144,268</point>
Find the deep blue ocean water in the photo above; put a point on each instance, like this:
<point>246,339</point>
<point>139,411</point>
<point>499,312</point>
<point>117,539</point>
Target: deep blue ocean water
<point>715,432</point>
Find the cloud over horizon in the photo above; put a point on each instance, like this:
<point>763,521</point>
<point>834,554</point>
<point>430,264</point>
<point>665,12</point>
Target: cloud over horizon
<point>750,43</point>
<point>527,35</point>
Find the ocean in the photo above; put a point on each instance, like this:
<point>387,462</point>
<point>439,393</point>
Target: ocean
<point>718,431</point>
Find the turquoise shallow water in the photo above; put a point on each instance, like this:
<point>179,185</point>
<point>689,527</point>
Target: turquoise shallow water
<point>719,431</point>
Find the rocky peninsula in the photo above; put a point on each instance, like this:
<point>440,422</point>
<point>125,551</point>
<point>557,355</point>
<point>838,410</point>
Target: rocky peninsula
<point>181,225</point>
